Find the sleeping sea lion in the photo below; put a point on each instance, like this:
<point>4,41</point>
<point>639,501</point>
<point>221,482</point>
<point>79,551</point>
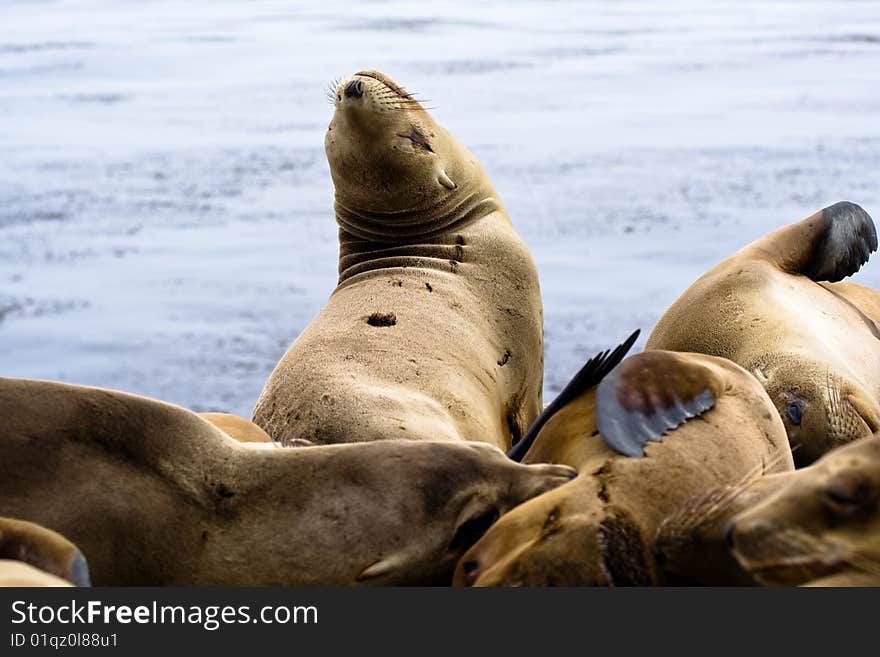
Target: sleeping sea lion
<point>822,526</point>
<point>774,308</point>
<point>714,424</point>
<point>155,495</point>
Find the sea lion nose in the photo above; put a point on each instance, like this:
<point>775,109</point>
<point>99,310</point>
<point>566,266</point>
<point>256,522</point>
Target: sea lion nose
<point>354,89</point>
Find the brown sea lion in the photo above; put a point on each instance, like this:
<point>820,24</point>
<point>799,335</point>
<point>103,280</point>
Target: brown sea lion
<point>822,526</point>
<point>599,529</point>
<point>26,547</point>
<point>155,495</point>
<point>435,329</point>
<point>774,308</point>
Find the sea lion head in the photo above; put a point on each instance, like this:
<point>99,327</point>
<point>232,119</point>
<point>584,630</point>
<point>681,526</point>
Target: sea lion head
<point>391,163</point>
<point>548,541</point>
<point>824,520</point>
<point>415,525</point>
<point>44,549</point>
<point>821,407</point>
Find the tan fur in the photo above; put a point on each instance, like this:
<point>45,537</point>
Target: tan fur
<point>237,427</point>
<point>599,529</point>
<point>155,495</point>
<point>807,342</point>
<point>821,526</point>
<point>847,578</point>
<point>435,329</point>
<point>19,573</point>
<point>691,547</point>
<point>46,551</point>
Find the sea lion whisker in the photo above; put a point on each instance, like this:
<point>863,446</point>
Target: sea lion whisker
<point>733,491</point>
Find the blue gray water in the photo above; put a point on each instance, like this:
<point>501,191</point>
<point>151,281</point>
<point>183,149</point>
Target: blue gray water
<point>165,221</point>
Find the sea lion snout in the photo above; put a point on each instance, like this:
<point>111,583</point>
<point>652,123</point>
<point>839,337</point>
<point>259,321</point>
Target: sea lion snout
<point>822,520</point>
<point>354,89</point>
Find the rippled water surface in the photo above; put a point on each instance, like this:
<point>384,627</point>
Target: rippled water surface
<point>165,203</point>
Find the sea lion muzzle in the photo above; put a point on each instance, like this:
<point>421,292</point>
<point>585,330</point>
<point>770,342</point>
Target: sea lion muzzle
<point>354,89</point>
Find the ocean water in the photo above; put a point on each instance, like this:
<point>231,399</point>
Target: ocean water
<point>165,204</point>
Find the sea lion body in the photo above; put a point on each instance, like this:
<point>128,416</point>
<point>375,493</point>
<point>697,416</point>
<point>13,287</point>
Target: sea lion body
<point>821,527</point>
<point>435,329</point>
<point>775,309</point>
<point>599,529</point>
<point>31,555</point>
<point>155,495</point>
<point>237,427</point>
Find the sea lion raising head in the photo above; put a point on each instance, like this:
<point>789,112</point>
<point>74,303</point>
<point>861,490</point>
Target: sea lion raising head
<point>434,331</point>
<point>392,165</point>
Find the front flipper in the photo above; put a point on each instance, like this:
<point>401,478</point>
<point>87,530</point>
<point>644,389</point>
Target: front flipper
<point>588,376</point>
<point>828,246</point>
<point>650,394</point>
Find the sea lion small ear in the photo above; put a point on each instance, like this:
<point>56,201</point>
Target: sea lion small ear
<point>445,180</point>
<point>650,394</point>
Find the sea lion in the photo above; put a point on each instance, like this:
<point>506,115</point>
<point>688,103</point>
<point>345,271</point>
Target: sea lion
<point>27,547</point>
<point>155,495</point>
<point>435,329</point>
<point>774,308</point>
<point>822,526</point>
<point>718,423</point>
<point>237,427</point>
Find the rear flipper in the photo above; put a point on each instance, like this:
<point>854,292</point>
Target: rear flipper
<point>650,394</point>
<point>588,377</point>
<point>43,549</point>
<point>827,246</point>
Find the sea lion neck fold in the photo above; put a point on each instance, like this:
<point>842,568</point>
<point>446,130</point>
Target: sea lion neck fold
<point>456,211</point>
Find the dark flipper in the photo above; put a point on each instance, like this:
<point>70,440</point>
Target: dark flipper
<point>826,246</point>
<point>847,240</point>
<point>589,375</point>
<point>649,395</point>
